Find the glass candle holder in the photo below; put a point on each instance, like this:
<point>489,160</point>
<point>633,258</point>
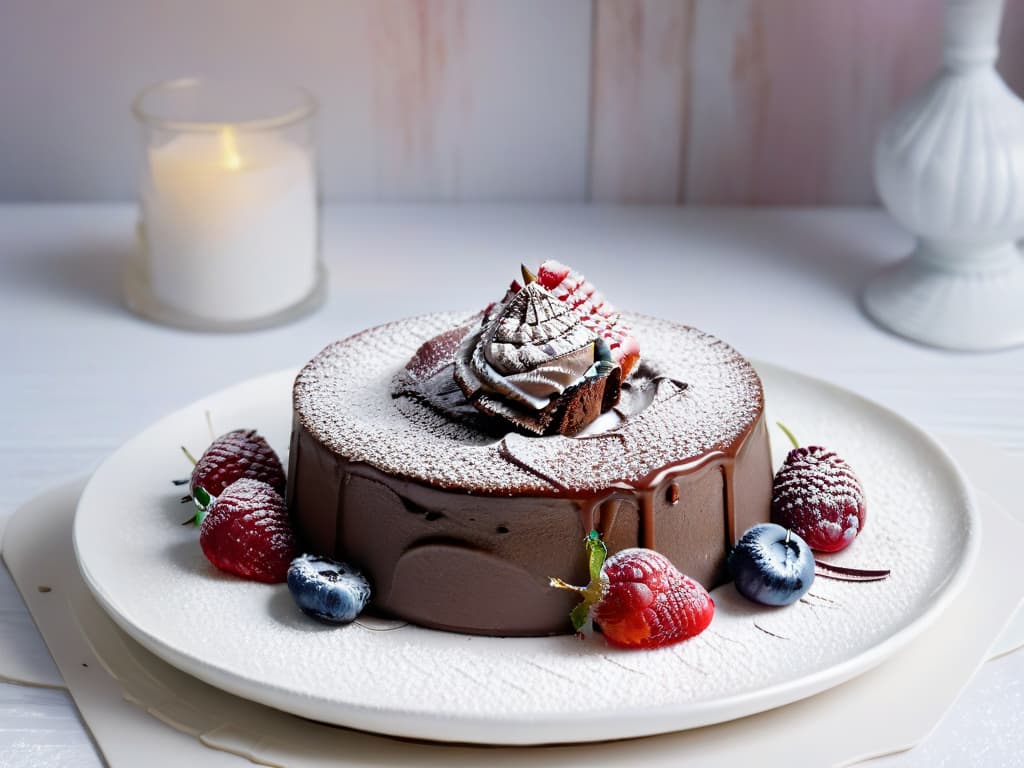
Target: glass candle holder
<point>229,225</point>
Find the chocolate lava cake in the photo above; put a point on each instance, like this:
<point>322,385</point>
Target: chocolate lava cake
<point>459,482</point>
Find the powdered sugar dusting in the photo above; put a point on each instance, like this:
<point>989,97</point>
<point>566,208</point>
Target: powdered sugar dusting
<point>344,398</point>
<point>921,527</point>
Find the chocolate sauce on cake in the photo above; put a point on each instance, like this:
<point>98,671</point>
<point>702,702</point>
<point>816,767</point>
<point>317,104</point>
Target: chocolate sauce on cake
<point>459,525</point>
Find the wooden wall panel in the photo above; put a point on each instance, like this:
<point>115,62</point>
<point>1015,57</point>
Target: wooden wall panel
<point>421,99</point>
<point>1011,46</point>
<point>476,100</point>
<point>640,101</point>
<point>639,93</point>
<point>788,96</point>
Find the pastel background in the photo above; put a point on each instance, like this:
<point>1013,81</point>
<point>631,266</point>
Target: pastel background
<point>653,101</point>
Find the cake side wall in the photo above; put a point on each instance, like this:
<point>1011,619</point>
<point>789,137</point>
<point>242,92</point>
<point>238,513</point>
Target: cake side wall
<point>754,477</point>
<point>480,564</point>
<point>312,495</point>
<point>467,563</point>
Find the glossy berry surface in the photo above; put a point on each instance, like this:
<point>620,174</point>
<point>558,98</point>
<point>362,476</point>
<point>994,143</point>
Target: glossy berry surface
<point>597,314</point>
<point>772,566</point>
<point>247,532</point>
<point>327,590</point>
<point>648,603</point>
<point>817,495</point>
<point>238,454</point>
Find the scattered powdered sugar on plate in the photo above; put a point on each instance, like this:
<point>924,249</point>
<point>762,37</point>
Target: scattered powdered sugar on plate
<point>344,398</point>
<point>248,637</point>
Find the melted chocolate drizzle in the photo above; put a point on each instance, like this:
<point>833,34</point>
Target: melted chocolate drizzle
<point>644,493</point>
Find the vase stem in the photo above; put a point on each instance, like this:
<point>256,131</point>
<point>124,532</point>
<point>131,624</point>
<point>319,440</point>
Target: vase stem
<point>971,33</point>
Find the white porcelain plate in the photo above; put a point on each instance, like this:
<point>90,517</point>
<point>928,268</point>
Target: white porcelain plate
<point>249,639</point>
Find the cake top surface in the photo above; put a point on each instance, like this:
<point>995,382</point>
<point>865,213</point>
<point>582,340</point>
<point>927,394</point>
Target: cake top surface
<point>694,395</point>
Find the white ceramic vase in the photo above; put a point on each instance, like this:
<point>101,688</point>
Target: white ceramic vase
<point>949,166</point>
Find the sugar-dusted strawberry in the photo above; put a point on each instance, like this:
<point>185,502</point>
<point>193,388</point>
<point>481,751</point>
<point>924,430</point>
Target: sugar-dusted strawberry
<point>237,454</point>
<point>598,315</point>
<point>819,497</point>
<point>246,532</point>
<point>639,599</point>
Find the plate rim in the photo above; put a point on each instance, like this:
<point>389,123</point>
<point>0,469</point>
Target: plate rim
<point>518,728</point>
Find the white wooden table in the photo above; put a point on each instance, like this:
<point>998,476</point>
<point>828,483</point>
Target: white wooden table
<point>80,374</point>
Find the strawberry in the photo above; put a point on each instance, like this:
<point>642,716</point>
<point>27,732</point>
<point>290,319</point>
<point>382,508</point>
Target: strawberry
<point>242,453</point>
<point>598,315</point>
<point>819,497</point>
<point>639,599</point>
<point>246,532</point>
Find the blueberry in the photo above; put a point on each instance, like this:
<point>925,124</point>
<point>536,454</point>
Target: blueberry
<point>326,589</point>
<point>771,565</point>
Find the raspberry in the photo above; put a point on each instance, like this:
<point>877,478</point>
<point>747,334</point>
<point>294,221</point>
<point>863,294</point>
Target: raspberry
<point>639,599</point>
<point>242,453</point>
<point>598,315</point>
<point>246,532</point>
<point>649,603</point>
<point>819,497</point>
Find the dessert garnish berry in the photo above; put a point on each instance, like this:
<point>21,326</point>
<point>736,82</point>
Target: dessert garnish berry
<point>246,532</point>
<point>818,496</point>
<point>639,599</point>
<point>772,565</point>
<point>327,590</point>
<point>237,454</point>
<point>597,314</point>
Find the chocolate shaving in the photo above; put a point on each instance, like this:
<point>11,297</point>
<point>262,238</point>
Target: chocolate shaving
<point>767,632</point>
<point>840,573</point>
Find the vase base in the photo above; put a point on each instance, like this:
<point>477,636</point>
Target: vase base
<point>970,311</point>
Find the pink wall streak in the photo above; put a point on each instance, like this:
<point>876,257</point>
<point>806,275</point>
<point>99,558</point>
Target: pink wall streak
<point>802,90</point>
<point>772,102</point>
<point>637,101</point>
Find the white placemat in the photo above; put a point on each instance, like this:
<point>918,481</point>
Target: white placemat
<point>24,659</point>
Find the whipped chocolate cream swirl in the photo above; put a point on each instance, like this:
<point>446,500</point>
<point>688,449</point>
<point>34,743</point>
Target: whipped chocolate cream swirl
<point>533,349</point>
<point>533,363</point>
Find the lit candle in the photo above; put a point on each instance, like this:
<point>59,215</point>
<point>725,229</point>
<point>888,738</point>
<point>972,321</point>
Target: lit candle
<point>230,223</point>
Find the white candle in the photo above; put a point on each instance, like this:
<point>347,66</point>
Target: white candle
<point>230,223</point>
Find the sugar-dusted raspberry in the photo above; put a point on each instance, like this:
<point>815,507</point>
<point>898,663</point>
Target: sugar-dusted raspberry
<point>818,496</point>
<point>247,532</point>
<point>237,454</point>
<point>649,603</point>
<point>639,599</point>
<point>597,314</point>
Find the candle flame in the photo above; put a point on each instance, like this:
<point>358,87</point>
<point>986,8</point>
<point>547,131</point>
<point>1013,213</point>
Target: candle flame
<point>229,155</point>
